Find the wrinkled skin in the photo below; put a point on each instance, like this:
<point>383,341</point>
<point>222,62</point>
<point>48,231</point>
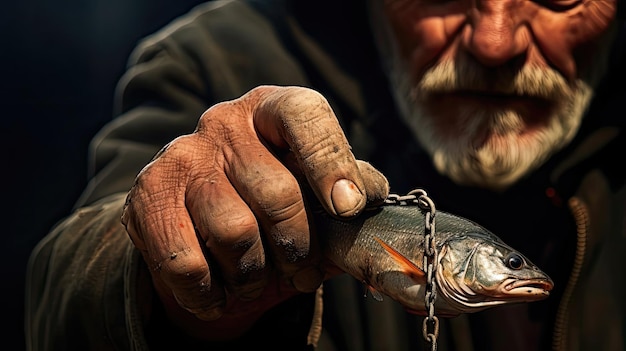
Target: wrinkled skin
<point>206,199</point>
<point>224,201</point>
<point>492,88</point>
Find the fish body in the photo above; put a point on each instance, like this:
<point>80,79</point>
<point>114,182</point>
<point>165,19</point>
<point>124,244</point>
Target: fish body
<point>384,249</point>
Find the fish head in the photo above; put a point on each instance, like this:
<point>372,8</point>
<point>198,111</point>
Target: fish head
<point>478,270</point>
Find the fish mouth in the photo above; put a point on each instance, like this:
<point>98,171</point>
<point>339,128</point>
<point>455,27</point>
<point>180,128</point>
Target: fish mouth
<point>529,287</point>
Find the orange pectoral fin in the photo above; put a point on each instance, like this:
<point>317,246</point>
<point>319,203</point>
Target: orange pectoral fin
<point>409,268</point>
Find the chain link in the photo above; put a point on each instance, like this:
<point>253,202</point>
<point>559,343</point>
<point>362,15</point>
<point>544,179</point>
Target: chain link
<point>419,197</point>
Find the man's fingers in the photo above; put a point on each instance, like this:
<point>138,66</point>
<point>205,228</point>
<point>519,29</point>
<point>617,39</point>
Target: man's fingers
<point>302,120</point>
<point>231,233</point>
<point>250,188</point>
<point>159,225</point>
<point>217,211</point>
<point>274,195</point>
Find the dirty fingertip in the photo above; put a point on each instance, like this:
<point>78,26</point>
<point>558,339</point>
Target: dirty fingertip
<point>347,199</point>
<point>375,182</point>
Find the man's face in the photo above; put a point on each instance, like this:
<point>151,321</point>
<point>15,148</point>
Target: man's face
<point>492,88</point>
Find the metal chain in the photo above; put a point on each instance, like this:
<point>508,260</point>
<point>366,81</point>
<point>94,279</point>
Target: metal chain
<point>419,197</point>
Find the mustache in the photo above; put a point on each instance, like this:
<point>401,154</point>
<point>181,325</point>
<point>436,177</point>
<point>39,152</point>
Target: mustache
<point>466,75</point>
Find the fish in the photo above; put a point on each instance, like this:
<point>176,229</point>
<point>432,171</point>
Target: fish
<point>476,270</point>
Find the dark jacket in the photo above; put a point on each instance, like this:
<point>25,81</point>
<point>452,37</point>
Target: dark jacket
<point>87,287</point>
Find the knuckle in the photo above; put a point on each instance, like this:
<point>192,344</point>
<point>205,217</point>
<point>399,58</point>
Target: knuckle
<point>186,272</point>
<point>209,118</point>
<point>297,106</point>
<point>307,95</point>
<point>149,179</point>
<point>223,119</point>
<point>279,196</point>
<point>234,231</point>
<point>166,171</point>
<point>308,108</point>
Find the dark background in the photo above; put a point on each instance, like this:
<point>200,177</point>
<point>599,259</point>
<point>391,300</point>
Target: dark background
<point>59,62</point>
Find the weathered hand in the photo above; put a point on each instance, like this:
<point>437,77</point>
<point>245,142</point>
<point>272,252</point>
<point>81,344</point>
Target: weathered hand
<point>219,215</point>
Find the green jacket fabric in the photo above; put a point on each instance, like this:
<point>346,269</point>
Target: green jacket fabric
<point>88,288</point>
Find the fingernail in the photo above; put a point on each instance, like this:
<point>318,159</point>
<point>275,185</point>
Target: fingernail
<point>307,280</point>
<point>346,198</point>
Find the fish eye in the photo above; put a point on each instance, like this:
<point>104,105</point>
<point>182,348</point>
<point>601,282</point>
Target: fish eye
<point>514,261</point>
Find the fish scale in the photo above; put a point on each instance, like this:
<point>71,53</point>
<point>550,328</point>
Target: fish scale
<point>384,249</point>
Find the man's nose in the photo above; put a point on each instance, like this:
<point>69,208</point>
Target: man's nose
<point>494,34</point>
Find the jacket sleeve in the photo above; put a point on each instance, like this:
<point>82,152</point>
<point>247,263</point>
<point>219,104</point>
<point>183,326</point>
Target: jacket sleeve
<point>88,288</point>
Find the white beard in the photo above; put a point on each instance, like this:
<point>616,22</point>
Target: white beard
<point>509,151</point>
<point>491,147</point>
